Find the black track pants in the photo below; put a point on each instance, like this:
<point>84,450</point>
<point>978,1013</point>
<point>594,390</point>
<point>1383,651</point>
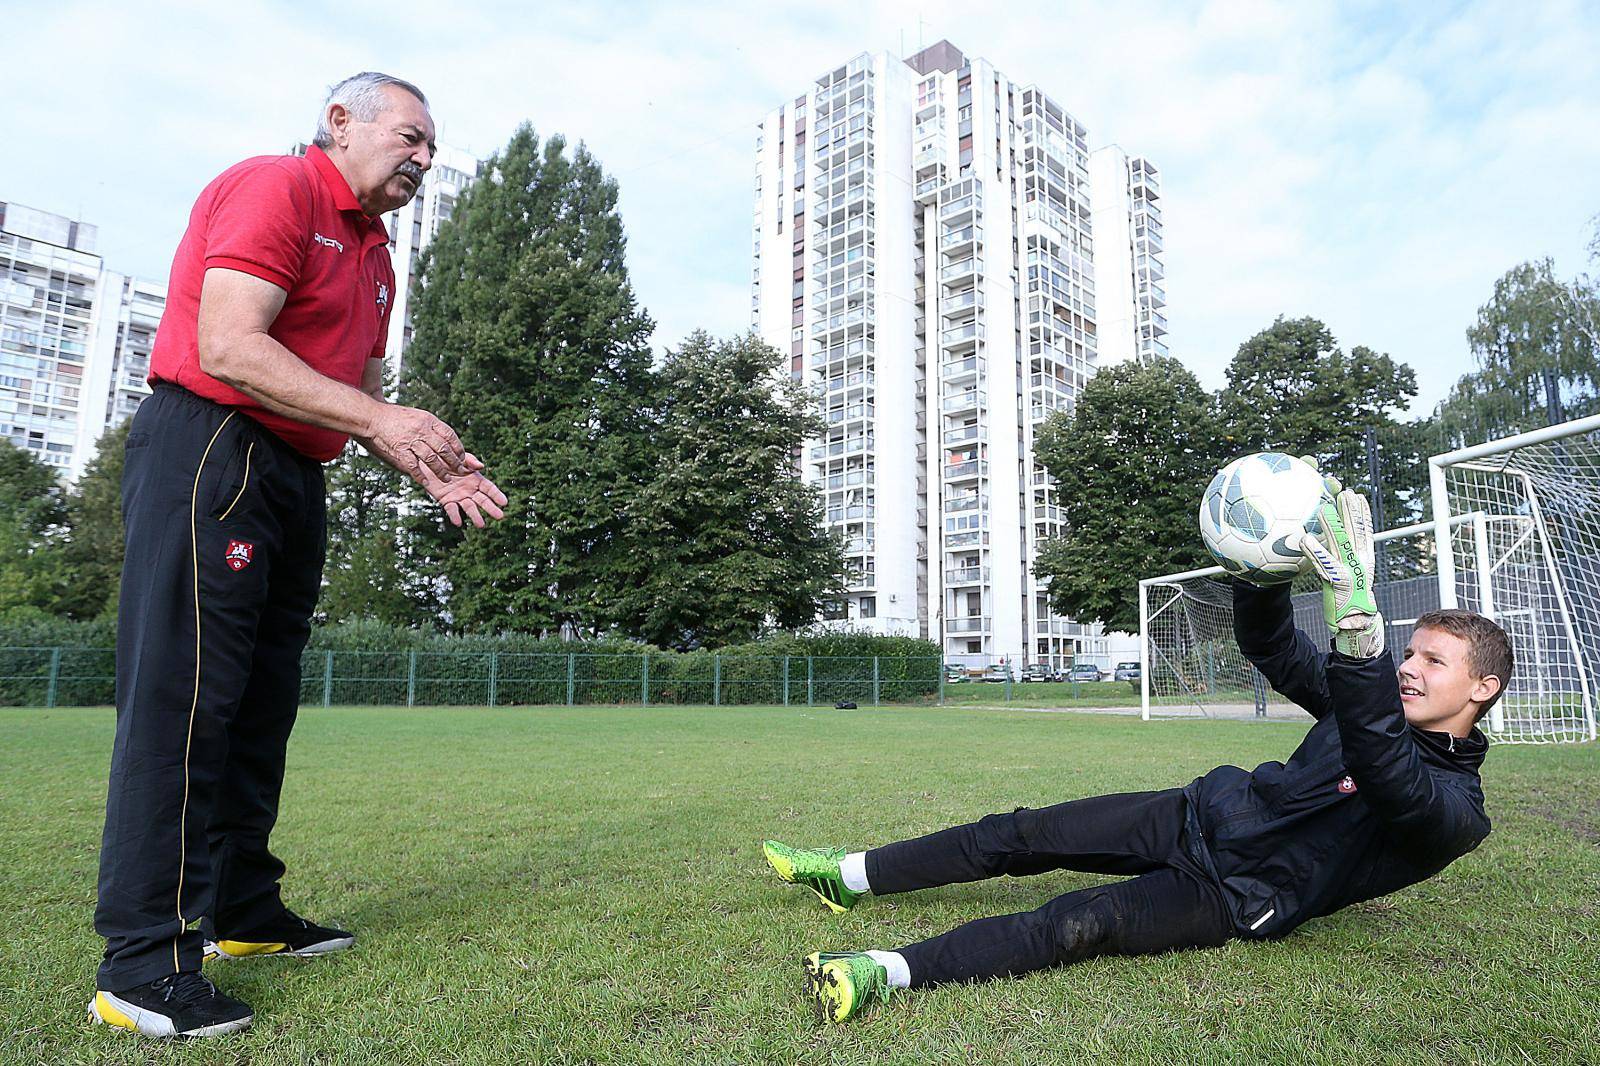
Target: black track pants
<point>224,541</point>
<point>1167,904</point>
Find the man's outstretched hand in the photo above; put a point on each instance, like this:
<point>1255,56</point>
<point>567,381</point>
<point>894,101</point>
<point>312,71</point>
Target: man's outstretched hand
<point>470,494</point>
<point>1341,554</point>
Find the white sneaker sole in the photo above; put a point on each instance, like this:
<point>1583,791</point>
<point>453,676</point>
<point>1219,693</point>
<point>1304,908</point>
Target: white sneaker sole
<point>213,950</point>
<point>112,1010</point>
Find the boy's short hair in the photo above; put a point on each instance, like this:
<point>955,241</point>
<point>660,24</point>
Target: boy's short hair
<point>1488,647</point>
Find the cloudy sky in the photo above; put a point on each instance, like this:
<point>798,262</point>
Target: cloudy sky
<point>1374,164</point>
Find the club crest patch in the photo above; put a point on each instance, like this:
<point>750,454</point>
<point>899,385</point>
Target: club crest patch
<point>383,297</point>
<point>1347,785</point>
<point>239,554</point>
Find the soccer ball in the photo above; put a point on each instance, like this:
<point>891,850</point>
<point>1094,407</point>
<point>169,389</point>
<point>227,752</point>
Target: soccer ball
<point>1255,511</point>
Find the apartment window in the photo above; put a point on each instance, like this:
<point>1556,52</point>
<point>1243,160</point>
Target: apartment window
<point>869,607</point>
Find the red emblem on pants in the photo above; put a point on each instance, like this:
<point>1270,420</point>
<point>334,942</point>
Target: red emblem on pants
<point>1347,784</point>
<point>239,553</point>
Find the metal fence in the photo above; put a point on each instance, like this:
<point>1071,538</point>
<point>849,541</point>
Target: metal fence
<point>78,677</point>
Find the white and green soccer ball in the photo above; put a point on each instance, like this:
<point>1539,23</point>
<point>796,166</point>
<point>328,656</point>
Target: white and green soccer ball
<point>1255,511</point>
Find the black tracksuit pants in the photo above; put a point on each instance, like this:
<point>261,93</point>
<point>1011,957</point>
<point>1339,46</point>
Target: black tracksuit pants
<point>225,532</point>
<point>1168,904</point>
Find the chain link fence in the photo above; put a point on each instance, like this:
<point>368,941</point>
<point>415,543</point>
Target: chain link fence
<point>80,677</point>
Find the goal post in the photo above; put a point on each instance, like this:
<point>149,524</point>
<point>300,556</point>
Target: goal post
<point>1535,569</point>
<point>1514,534</point>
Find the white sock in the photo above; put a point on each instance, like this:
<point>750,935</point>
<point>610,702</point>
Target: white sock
<point>853,871</point>
<point>895,963</point>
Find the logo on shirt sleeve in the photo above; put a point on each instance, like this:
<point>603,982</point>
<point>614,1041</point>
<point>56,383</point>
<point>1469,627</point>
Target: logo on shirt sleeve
<point>383,297</point>
<point>328,242</point>
<point>239,554</point>
<point>1347,785</point>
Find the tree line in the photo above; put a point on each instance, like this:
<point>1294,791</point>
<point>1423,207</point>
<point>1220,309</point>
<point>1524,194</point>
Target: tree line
<point>1132,456</point>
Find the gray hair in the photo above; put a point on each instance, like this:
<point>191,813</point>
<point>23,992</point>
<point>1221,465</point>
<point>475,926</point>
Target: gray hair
<point>361,95</point>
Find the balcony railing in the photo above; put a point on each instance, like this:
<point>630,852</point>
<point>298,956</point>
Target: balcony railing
<point>971,624</point>
<point>961,269</point>
<point>962,336</point>
<point>961,303</point>
<point>954,370</point>
<point>964,401</point>
<point>977,575</point>
<point>965,433</point>
<point>966,503</point>
<point>970,468</point>
<point>969,539</point>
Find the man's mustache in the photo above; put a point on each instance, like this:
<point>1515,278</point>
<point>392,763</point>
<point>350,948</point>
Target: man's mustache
<point>412,171</point>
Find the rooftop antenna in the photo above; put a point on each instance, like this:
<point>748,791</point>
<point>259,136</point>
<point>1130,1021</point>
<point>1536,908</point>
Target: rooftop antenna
<point>920,24</point>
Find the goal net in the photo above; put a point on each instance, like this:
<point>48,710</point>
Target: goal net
<point>1515,534</point>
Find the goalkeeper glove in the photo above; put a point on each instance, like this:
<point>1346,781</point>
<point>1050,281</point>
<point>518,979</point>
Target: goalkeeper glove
<point>1341,554</point>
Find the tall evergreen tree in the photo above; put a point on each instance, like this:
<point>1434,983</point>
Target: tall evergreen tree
<point>1131,460</point>
<point>530,343</point>
<point>731,539</point>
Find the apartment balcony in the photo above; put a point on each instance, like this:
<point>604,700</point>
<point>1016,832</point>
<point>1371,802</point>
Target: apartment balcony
<point>1149,266</point>
<point>1043,512</point>
<point>926,191</point>
<point>973,502</point>
<point>850,479</point>
<point>969,400</point>
<point>962,209</point>
<point>956,371</point>
<point>837,323</point>
<point>963,434</point>
<point>849,381</point>
<point>853,413</point>
<point>976,623</point>
<point>965,239</point>
<point>1155,320</point>
<point>975,538</point>
<point>962,339</point>
<point>961,305</point>
<point>1153,294</point>
<point>1147,242</point>
<point>1051,627</point>
<point>860,545</point>
<point>928,155</point>
<point>853,513</point>
<point>969,470</point>
<point>977,575</point>
<point>848,446</point>
<point>961,271</point>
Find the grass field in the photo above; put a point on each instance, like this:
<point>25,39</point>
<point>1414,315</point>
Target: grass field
<point>569,886</point>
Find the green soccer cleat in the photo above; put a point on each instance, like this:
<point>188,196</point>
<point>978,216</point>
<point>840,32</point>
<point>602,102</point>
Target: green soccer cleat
<point>817,870</point>
<point>844,984</point>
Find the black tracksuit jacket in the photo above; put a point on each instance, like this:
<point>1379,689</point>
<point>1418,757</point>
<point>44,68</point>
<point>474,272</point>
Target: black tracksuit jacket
<point>1366,805</point>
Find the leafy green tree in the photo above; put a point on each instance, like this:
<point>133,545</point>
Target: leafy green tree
<point>1537,355</point>
<point>731,539</point>
<point>1291,388</point>
<point>1130,461</point>
<point>93,551</point>
<point>33,526</point>
<point>528,340</point>
<point>365,576</point>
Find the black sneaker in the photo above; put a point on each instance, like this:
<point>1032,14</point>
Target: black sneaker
<point>182,1004</point>
<point>290,935</point>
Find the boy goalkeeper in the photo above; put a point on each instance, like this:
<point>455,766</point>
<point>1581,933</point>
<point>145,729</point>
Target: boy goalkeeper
<point>1382,793</point>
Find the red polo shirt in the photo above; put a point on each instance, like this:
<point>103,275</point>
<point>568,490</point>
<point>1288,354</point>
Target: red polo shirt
<point>296,223</point>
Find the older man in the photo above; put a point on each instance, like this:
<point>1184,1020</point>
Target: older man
<point>268,360</point>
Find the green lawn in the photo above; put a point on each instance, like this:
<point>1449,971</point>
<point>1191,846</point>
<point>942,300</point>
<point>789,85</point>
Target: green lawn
<point>585,885</point>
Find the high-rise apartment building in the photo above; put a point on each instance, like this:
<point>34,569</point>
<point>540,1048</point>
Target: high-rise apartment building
<point>925,250</point>
<point>74,338</point>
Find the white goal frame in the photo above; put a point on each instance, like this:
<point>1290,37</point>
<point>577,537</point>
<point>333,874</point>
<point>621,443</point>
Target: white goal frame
<point>1490,557</point>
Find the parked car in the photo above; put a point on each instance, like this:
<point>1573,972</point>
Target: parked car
<point>1038,672</point>
<point>1086,672</point>
<point>1126,672</point>
<point>954,673</point>
<point>997,672</point>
